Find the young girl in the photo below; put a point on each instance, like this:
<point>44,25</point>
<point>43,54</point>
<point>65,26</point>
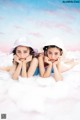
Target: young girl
<point>50,60</point>
<point>24,62</point>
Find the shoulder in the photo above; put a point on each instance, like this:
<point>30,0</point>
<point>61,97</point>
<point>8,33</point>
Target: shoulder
<point>41,55</point>
<point>35,59</point>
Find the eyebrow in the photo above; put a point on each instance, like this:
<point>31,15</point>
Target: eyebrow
<point>56,52</point>
<point>23,50</point>
<point>52,52</point>
<point>49,51</point>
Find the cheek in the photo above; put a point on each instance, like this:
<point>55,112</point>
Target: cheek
<point>49,56</point>
<point>18,54</point>
<point>26,55</point>
<point>58,56</point>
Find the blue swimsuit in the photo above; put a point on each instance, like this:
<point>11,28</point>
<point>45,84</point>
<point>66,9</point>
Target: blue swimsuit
<point>52,70</point>
<point>37,71</point>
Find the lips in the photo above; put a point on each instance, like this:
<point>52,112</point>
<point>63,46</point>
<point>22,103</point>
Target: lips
<point>52,60</point>
<point>22,59</point>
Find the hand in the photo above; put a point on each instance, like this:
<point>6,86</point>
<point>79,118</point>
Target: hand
<point>28,59</point>
<point>16,59</point>
<point>46,60</point>
<point>56,62</point>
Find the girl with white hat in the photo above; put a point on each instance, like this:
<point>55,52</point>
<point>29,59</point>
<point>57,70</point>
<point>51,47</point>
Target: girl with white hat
<point>50,60</point>
<point>24,62</point>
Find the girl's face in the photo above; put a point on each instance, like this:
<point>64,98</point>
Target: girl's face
<point>22,52</point>
<point>53,54</point>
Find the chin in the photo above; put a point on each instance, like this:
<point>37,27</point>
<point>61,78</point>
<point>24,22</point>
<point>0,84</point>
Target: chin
<point>52,60</point>
<point>22,59</point>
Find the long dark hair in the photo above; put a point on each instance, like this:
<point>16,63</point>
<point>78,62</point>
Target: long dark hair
<point>45,48</point>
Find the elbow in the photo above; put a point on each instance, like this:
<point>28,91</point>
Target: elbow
<point>14,78</point>
<point>58,79</point>
<point>28,76</point>
<point>44,76</point>
<point>41,74</point>
<point>24,75</point>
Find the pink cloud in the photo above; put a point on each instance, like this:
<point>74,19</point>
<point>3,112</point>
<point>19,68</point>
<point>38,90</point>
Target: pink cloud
<point>50,12</point>
<point>36,34</point>
<point>64,27</point>
<point>53,24</point>
<point>48,24</point>
<point>2,33</point>
<point>76,10</point>
<point>5,48</point>
<point>63,14</point>
<point>63,7</point>
<point>69,16</point>
<point>72,47</point>
<point>18,27</point>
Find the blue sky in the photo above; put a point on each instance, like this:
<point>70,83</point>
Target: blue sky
<point>39,19</point>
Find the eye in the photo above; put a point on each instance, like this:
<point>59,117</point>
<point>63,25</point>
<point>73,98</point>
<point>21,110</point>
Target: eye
<point>50,52</point>
<point>25,51</point>
<point>18,51</point>
<point>56,53</point>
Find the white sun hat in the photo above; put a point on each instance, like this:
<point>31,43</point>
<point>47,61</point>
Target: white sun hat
<point>53,41</point>
<point>24,41</point>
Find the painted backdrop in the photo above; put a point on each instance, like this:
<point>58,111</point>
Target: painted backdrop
<point>39,19</point>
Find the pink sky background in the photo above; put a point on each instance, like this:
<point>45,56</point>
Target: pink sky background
<point>39,20</point>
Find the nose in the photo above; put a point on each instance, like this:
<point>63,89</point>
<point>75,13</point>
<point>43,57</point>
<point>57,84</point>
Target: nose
<point>21,55</point>
<point>53,56</point>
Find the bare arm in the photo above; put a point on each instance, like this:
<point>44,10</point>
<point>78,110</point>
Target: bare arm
<point>43,72</point>
<point>49,67</point>
<point>24,66</point>
<point>16,69</point>
<point>57,70</point>
<point>5,68</point>
<point>24,73</point>
<point>48,71</point>
<point>33,66</point>
<point>16,73</point>
<point>41,65</point>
